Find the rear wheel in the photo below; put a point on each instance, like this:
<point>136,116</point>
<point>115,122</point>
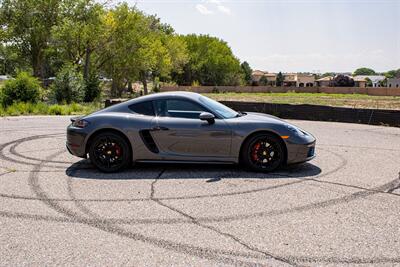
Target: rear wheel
<point>109,152</point>
<point>263,152</point>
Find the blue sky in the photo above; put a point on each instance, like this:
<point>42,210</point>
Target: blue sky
<point>295,35</point>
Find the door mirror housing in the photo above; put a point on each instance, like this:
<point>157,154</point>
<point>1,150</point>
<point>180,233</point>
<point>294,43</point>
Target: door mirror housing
<point>207,116</point>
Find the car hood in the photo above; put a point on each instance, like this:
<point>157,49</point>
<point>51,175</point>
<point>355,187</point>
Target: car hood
<point>259,117</point>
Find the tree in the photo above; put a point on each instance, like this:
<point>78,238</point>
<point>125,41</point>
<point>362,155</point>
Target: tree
<point>279,79</point>
<point>364,71</point>
<point>26,24</point>
<point>342,81</point>
<point>69,85</point>
<point>392,73</point>
<point>10,61</point>
<point>368,82</point>
<point>263,81</point>
<point>139,47</point>
<point>247,72</point>
<point>211,62</point>
<point>80,33</point>
<point>326,74</point>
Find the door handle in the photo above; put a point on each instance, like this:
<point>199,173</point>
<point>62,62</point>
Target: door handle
<point>160,128</point>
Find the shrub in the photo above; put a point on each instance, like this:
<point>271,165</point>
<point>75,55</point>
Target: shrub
<point>21,108</point>
<point>263,81</point>
<point>342,81</point>
<point>24,88</point>
<point>55,110</point>
<point>92,88</point>
<point>69,85</point>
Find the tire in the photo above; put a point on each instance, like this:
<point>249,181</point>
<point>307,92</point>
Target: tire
<point>109,152</point>
<point>263,152</point>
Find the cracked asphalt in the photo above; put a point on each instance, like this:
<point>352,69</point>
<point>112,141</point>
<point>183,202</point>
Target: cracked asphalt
<point>340,209</point>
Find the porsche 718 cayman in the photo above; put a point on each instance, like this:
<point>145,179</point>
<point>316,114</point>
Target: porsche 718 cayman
<point>185,127</point>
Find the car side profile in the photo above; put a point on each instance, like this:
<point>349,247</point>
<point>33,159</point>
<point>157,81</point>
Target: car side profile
<point>187,128</point>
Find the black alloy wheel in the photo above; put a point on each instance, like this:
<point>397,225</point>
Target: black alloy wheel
<point>109,152</point>
<point>263,152</point>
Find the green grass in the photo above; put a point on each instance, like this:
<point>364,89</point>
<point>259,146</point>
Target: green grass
<point>42,108</point>
<point>337,100</point>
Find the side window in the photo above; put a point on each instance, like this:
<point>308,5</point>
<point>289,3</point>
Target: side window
<point>144,108</point>
<point>178,109</point>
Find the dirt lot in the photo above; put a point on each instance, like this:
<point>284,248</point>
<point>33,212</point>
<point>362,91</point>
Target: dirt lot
<point>336,100</point>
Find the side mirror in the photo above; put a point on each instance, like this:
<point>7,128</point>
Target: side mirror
<point>206,116</point>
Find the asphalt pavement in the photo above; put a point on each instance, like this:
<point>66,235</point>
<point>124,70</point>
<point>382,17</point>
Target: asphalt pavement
<point>340,209</point>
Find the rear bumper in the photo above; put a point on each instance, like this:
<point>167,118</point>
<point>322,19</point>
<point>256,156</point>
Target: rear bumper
<point>76,142</point>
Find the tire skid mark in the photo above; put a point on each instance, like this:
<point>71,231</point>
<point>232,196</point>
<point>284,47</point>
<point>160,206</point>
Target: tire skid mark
<point>194,221</point>
<point>71,170</point>
<point>77,202</point>
<point>14,152</point>
<point>206,253</point>
<point>3,156</point>
<point>361,147</point>
<point>35,217</point>
<point>219,219</point>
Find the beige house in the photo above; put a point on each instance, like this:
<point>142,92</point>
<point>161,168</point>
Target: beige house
<point>289,79</point>
<point>375,79</point>
<point>324,82</point>
<point>305,80</point>
<point>393,82</point>
<point>359,81</point>
<point>258,74</point>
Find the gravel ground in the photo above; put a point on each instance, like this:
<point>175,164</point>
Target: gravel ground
<point>340,209</point>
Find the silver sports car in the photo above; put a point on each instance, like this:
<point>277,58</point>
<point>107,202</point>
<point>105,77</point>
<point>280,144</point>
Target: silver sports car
<point>186,127</point>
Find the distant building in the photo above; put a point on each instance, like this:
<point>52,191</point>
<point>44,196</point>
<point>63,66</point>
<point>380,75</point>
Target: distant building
<point>289,79</point>
<point>393,82</point>
<point>324,82</point>
<point>305,80</point>
<point>359,81</point>
<point>258,74</point>
<point>375,79</point>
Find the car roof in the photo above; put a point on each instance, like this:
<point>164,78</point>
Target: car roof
<point>151,97</point>
<point>184,94</point>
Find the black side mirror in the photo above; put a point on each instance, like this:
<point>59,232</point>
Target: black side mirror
<point>206,116</point>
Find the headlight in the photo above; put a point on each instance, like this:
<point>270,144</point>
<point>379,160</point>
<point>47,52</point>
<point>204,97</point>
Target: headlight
<point>295,130</point>
<point>80,123</point>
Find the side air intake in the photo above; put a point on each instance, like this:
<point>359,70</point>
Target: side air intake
<point>149,141</point>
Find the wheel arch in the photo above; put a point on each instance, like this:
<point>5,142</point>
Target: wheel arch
<point>105,130</point>
<point>265,132</point>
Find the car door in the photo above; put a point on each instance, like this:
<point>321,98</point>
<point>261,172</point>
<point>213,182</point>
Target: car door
<point>179,131</point>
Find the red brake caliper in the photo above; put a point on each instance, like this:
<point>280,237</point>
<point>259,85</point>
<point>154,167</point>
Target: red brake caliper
<point>254,151</point>
<point>117,150</point>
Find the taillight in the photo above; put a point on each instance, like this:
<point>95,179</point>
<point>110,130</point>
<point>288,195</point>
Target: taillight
<point>80,123</point>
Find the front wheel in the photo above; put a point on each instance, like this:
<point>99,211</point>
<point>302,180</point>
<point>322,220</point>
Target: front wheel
<point>109,152</point>
<point>263,152</point>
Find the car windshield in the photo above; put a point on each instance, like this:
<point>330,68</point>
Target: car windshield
<point>221,109</point>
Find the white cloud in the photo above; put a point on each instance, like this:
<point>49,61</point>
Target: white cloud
<point>224,9</point>
<point>218,2</point>
<point>203,9</point>
<point>211,6</point>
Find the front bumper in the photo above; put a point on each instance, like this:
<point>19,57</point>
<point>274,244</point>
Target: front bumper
<point>301,153</point>
<point>76,141</point>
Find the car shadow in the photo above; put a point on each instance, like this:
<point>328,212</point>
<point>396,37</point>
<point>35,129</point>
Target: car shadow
<point>212,172</point>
